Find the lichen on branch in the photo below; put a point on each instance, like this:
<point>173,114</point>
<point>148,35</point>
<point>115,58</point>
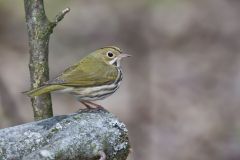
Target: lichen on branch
<point>90,134</point>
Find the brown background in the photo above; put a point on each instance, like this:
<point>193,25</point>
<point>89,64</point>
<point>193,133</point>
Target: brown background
<point>180,97</point>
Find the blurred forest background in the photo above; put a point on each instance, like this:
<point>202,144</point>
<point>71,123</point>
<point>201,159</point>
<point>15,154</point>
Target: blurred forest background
<point>180,97</point>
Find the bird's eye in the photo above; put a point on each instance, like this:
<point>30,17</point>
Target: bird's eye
<point>110,54</point>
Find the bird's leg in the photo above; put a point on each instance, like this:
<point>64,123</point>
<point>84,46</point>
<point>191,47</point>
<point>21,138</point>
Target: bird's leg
<point>102,155</point>
<point>94,104</point>
<point>87,105</point>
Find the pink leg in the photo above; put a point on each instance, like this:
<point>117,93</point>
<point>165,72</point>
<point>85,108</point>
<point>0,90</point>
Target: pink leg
<point>86,105</point>
<point>94,104</point>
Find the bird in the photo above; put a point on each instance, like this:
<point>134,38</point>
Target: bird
<point>94,77</point>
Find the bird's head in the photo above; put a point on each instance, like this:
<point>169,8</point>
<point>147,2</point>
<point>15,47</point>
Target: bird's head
<point>111,55</point>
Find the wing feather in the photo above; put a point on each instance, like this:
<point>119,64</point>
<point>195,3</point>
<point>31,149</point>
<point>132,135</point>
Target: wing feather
<point>88,72</point>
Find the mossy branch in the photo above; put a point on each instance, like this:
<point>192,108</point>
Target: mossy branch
<point>93,134</point>
<point>39,31</point>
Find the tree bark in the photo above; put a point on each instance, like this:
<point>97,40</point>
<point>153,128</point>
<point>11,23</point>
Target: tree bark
<point>89,134</point>
<point>39,31</point>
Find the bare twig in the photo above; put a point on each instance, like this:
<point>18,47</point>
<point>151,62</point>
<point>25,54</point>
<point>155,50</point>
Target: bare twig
<point>60,16</point>
<point>39,31</point>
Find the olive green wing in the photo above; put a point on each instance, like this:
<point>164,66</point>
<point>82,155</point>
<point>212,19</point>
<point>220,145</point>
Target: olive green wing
<point>88,72</point>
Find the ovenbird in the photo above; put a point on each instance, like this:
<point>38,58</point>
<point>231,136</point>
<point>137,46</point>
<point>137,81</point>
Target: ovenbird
<point>95,77</point>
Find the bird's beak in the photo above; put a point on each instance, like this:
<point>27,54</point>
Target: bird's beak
<point>124,55</point>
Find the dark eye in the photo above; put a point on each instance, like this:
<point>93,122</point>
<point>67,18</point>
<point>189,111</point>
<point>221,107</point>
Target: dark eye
<point>110,54</point>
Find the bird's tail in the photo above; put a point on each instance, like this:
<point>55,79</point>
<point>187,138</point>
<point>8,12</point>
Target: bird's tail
<point>42,90</point>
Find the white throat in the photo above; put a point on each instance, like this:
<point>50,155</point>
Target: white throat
<point>115,61</point>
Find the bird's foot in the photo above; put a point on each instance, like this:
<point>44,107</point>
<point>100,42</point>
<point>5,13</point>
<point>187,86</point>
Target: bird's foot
<point>87,105</point>
<point>96,105</point>
<point>91,105</point>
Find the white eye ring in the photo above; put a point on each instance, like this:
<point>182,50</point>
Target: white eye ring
<point>110,54</point>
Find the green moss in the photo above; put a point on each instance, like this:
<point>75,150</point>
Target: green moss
<point>54,130</point>
<point>66,121</point>
<point>59,154</point>
<point>44,32</point>
<point>77,117</point>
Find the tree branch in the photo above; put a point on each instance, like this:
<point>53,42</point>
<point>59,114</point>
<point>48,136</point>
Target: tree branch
<point>39,31</point>
<point>60,16</point>
<point>86,135</point>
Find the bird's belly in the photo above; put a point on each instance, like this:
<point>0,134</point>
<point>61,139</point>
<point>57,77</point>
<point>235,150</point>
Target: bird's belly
<point>95,93</point>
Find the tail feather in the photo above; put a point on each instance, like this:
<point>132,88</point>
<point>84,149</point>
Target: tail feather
<point>42,90</point>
